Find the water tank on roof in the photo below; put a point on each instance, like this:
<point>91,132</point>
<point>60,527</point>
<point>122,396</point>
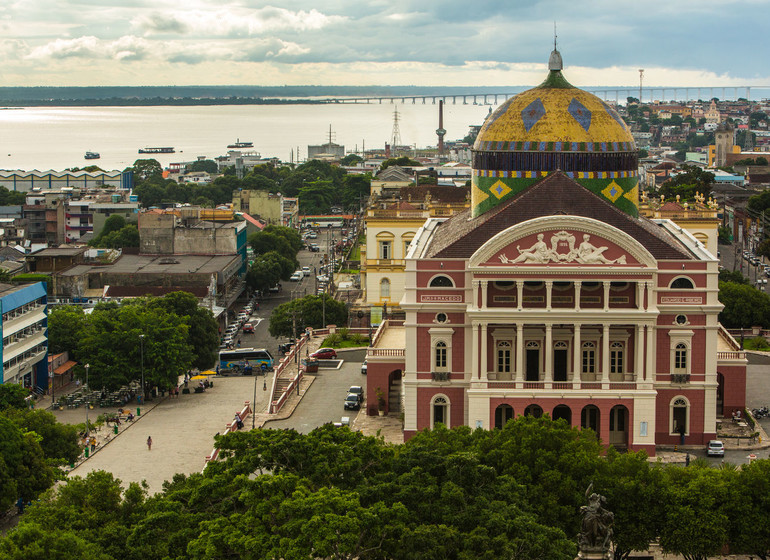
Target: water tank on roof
<point>116,198</point>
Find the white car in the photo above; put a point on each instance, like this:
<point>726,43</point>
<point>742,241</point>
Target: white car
<point>297,276</point>
<point>306,271</point>
<point>715,448</point>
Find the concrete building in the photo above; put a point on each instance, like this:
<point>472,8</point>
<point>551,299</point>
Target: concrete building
<point>551,296</point>
<point>24,347</point>
<point>269,207</point>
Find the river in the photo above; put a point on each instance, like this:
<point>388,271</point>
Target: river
<point>57,137</point>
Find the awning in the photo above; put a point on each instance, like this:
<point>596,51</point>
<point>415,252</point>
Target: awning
<point>65,367</point>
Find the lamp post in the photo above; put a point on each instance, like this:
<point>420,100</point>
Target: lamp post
<point>141,349</point>
<point>87,430</point>
<point>254,403</point>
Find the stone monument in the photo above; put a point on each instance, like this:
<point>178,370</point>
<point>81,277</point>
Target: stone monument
<point>596,528</point>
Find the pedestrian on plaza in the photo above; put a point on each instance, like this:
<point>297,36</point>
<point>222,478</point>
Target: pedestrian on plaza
<point>93,444</point>
<point>176,392</point>
<point>149,443</point>
<point>687,460</point>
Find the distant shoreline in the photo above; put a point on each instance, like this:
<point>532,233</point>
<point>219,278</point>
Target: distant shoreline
<point>7,104</point>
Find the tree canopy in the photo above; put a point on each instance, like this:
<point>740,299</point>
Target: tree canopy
<point>307,311</point>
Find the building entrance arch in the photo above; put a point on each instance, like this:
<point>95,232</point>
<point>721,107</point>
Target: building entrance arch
<point>562,412</point>
<point>503,413</point>
<point>619,426</point>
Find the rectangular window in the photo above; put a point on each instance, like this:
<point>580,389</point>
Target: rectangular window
<point>589,361</point>
<point>504,361</point>
<point>616,361</point>
<point>680,359</point>
<point>386,250</point>
<point>440,355</point>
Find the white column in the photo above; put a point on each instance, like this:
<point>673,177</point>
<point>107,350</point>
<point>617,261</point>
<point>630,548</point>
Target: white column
<point>640,296</point>
<point>476,284</point>
<point>651,303</point>
<point>605,353</point>
<point>548,353</point>
<point>578,285</point>
<point>484,287</point>
<point>484,356</point>
<point>519,352</point>
<point>475,353</point>
<point>606,295</point>
<point>649,372</point>
<point>639,353</point>
<point>520,293</point>
<point>548,294</point>
<point>577,362</point>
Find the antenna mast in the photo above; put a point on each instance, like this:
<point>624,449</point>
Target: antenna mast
<point>396,134</point>
<point>641,75</point>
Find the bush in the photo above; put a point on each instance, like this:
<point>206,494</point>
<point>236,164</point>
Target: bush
<point>332,340</point>
<point>757,343</point>
<point>344,333</point>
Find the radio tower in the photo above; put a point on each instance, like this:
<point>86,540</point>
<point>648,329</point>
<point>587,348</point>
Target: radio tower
<point>396,134</point>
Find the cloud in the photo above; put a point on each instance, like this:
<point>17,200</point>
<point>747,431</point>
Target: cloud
<point>128,48</point>
<point>231,22</point>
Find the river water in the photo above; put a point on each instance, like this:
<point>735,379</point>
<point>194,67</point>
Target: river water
<point>57,137</point>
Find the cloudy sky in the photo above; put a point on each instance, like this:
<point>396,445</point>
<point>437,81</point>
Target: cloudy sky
<point>387,42</point>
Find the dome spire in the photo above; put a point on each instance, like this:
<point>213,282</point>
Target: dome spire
<point>555,63</point>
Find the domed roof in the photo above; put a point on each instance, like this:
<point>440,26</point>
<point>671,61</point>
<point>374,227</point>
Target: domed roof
<point>554,126</point>
<point>555,111</point>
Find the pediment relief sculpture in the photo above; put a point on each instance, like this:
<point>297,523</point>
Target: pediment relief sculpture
<point>561,250</point>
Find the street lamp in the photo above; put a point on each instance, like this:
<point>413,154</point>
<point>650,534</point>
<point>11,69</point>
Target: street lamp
<point>87,367</point>
<point>141,348</point>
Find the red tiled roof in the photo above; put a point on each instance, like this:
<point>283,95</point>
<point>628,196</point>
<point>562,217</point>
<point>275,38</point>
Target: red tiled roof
<point>252,220</point>
<point>461,235</point>
<point>65,367</point>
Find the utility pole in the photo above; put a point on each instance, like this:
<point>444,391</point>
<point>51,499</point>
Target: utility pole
<point>86,387</point>
<point>641,76</point>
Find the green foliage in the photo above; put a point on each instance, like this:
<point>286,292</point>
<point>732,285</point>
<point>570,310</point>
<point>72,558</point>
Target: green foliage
<point>757,343</point>
<point>145,169</point>
<point>693,179</point>
<point>264,242</point>
<point>745,306</point>
<point>402,161</point>
<point>289,234</point>
<point>65,326</point>
<point>724,235</point>
<point>30,278</point>
<point>752,161</point>
<point>759,202</point>
<point>763,249</point>
<point>733,276</point>
<point>11,198</point>
<point>111,343</point>
<point>24,471</point>
<point>351,160</point>
<point>207,165</point>
<point>308,312</point>
<point>127,236</point>
<point>12,396</point>
<point>59,442</point>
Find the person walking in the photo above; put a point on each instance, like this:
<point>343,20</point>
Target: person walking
<point>149,443</point>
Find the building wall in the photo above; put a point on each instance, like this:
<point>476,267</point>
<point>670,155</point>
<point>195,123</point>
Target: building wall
<point>156,233</point>
<point>23,336</point>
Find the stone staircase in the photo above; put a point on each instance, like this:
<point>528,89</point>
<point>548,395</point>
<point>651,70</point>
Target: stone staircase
<point>394,397</point>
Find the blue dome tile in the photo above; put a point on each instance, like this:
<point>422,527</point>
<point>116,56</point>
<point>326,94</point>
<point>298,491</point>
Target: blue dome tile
<point>532,113</point>
<point>580,113</point>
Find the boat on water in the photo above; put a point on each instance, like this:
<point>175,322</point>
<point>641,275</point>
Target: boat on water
<point>238,144</point>
<point>156,150</point>
<point>92,155</point>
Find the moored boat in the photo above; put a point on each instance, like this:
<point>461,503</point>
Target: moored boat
<point>92,155</point>
<point>165,150</point>
<point>238,144</point>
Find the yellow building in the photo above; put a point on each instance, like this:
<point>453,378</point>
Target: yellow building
<point>262,204</point>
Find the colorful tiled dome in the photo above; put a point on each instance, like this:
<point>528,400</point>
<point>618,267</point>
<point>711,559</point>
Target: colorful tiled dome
<point>554,126</point>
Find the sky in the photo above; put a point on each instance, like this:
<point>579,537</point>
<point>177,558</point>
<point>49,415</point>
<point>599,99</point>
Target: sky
<point>378,42</point>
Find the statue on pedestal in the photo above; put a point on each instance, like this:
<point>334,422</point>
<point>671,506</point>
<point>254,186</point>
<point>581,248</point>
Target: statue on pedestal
<point>596,529</point>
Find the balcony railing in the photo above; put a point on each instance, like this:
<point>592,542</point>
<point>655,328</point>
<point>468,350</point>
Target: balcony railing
<point>680,378</point>
<point>441,375</point>
<point>397,352</point>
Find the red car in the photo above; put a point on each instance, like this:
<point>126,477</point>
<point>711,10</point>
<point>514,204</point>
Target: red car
<point>324,354</point>
<point>248,328</point>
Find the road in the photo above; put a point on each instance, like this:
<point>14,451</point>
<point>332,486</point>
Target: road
<point>323,402</point>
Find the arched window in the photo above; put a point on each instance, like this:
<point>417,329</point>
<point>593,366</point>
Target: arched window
<point>589,358</point>
<point>680,358</point>
<point>533,410</point>
<point>441,282</point>
<point>439,411</point>
<point>503,413</point>
<point>616,357</point>
<point>680,417</point>
<point>440,356</point>
<point>589,418</point>
<point>503,357</point>
<point>385,245</point>
<point>682,284</point>
<point>384,289</point>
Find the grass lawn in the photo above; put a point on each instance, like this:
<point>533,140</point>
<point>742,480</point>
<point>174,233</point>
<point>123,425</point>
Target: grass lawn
<point>344,343</point>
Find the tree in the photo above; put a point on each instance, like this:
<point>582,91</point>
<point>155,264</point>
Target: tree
<point>11,198</point>
<point>24,472</point>
<point>12,396</point>
<point>147,169</point>
<point>732,276</point>
<point>264,242</point>
<point>351,160</point>
<point>59,442</point>
<point>262,275</point>
<point>686,184</point>
<point>316,197</point>
<point>113,223</point>
<point>403,161</point>
<point>695,523</point>
<point>307,312</point>
<point>285,265</point>
<point>202,327</point>
<point>111,342</point>
<point>207,165</point>
<point>127,236</point>
<point>65,327</point>
<point>291,235</point>
<point>747,510</point>
<point>745,306</point>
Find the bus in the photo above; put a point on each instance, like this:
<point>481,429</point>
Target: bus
<point>245,360</point>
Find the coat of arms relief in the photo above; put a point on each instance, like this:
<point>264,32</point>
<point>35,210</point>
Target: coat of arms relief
<point>562,250</point>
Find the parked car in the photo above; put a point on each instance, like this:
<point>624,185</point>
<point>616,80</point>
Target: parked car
<point>314,248</point>
<point>363,367</point>
<point>324,354</point>
<point>248,328</point>
<point>357,390</point>
<point>306,270</point>
<point>352,402</point>
<point>715,448</point>
<point>297,276</point>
